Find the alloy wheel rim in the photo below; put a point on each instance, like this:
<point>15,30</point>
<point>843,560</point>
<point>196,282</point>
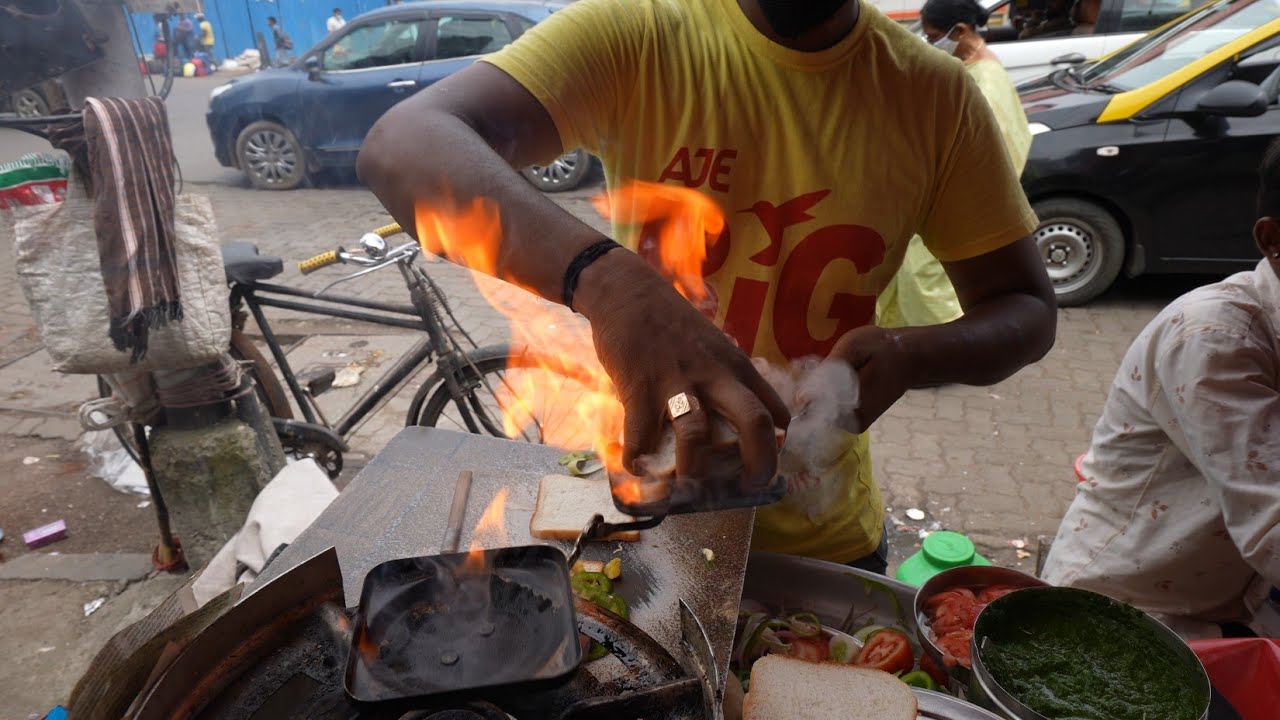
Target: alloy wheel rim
<point>1070,254</point>
<point>271,157</point>
<point>559,171</point>
<point>26,105</point>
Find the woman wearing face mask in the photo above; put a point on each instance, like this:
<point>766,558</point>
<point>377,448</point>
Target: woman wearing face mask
<point>921,294</point>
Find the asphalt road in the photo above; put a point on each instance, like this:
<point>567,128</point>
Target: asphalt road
<point>187,102</point>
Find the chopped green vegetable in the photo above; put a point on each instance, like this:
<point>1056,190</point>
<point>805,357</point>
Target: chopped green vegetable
<point>841,651</point>
<point>591,581</point>
<point>866,632</point>
<point>805,624</point>
<point>581,463</point>
<point>596,651</point>
<point>613,569</point>
<point>920,679</point>
<point>708,557</point>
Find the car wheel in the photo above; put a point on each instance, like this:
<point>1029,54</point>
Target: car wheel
<point>29,103</point>
<point>564,173</point>
<point>271,156</point>
<point>1082,246</point>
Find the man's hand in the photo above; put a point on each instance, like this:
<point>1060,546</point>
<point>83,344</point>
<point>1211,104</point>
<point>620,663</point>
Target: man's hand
<point>654,344</point>
<point>882,368</point>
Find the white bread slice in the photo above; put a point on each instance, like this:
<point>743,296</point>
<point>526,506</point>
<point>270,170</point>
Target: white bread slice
<point>566,504</point>
<point>784,688</point>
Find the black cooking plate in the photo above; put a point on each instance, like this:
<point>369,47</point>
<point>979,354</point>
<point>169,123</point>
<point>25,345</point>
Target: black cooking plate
<point>440,627</point>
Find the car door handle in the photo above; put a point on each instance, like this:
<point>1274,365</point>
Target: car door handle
<point>400,84</point>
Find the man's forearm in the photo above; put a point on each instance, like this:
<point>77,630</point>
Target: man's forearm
<point>435,157</point>
<point>992,341</point>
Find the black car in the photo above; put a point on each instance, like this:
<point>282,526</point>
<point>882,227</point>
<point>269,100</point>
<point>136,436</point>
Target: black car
<point>1146,160</point>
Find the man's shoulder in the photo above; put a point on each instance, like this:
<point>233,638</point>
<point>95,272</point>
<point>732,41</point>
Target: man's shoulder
<point>1233,310</point>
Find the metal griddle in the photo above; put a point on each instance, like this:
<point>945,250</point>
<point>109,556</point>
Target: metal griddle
<point>397,506</point>
<point>454,626</point>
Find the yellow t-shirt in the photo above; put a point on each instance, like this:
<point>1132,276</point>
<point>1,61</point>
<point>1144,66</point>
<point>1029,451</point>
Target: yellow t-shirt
<point>824,165</point>
<point>206,33</point>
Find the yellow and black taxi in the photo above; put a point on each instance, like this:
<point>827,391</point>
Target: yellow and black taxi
<point>1146,160</point>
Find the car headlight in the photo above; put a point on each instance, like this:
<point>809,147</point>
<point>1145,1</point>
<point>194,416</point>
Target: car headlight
<point>1035,128</point>
<point>219,90</point>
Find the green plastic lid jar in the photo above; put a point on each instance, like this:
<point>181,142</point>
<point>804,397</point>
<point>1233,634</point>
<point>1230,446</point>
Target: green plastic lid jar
<point>940,551</point>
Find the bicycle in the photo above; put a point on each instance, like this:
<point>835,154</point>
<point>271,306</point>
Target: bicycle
<point>461,391</point>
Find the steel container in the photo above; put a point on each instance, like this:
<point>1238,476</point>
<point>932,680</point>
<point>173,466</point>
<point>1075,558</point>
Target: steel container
<point>965,576</point>
<point>985,691</point>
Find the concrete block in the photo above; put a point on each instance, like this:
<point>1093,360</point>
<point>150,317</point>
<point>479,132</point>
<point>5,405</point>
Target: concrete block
<point>86,567</point>
<point>209,478</point>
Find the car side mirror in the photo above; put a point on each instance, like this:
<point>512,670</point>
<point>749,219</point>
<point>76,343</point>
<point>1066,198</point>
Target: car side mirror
<point>1074,58</point>
<point>1233,98</point>
<point>312,64</point>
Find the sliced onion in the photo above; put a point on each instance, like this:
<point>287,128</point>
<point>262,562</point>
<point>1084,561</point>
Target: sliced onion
<point>805,625</point>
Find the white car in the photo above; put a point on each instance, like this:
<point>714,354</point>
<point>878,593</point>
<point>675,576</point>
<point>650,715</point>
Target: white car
<point>1029,50</point>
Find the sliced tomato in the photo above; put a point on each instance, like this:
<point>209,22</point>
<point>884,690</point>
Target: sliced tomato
<point>937,673</point>
<point>955,615</point>
<point>949,596</point>
<point>887,650</point>
<point>956,646</point>
<point>815,649</point>
<point>995,592</point>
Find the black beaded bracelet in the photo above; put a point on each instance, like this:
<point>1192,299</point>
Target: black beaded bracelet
<point>580,262</point>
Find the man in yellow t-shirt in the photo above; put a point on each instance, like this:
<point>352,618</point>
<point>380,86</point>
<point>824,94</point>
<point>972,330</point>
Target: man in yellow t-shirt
<point>206,36</point>
<point>827,134</point>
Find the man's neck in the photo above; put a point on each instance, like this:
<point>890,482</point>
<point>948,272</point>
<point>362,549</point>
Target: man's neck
<point>821,37</point>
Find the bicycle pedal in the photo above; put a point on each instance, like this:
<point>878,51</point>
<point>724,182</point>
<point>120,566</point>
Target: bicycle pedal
<point>317,380</point>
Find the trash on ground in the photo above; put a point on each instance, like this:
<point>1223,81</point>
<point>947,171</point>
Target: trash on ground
<point>144,504</point>
<point>45,534</point>
<point>57,713</point>
<point>348,376</point>
<point>1022,554</point>
<point>30,460</point>
<point>109,461</point>
<point>915,513</point>
<point>1018,543</point>
<point>92,606</point>
<point>46,648</point>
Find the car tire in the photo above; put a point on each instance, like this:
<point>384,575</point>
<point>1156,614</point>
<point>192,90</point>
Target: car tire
<point>564,173</point>
<point>29,103</point>
<point>1082,247</point>
<point>271,156</point>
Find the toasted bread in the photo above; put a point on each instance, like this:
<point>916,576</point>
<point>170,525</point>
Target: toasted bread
<point>566,504</point>
<point>784,688</point>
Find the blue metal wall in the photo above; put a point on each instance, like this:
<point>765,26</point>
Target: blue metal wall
<point>236,21</point>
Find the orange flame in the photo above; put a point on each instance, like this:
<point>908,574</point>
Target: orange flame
<point>367,649</point>
<point>684,221</point>
<point>490,531</point>
<point>558,393</point>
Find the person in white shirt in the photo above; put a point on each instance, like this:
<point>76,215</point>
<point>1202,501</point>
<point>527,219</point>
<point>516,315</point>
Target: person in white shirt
<point>1178,506</point>
<point>335,22</point>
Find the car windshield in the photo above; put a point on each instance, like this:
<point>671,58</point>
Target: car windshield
<point>1179,44</point>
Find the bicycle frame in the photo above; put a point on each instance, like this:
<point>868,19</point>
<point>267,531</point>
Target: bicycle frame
<point>259,295</point>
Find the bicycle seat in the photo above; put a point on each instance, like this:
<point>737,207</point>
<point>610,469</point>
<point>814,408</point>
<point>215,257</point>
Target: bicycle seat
<point>244,265</point>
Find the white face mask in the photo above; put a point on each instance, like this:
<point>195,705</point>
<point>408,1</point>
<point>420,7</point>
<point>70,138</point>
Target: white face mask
<point>946,44</point>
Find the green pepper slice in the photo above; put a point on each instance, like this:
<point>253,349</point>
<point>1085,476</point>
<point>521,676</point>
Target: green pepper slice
<point>920,679</point>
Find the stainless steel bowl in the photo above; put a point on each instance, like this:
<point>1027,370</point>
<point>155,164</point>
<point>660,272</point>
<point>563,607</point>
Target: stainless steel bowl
<point>985,691</point>
<point>978,576</point>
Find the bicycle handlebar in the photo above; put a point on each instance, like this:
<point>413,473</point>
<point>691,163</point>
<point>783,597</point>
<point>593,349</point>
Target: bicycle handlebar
<point>387,231</point>
<point>323,260</point>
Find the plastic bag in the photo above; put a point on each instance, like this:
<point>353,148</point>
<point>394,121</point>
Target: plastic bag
<point>1246,671</point>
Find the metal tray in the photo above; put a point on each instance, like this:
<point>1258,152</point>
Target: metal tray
<point>848,599</point>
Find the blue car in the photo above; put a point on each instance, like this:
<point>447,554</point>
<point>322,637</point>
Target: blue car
<point>282,124</point>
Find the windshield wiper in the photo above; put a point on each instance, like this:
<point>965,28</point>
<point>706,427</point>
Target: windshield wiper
<point>1107,88</point>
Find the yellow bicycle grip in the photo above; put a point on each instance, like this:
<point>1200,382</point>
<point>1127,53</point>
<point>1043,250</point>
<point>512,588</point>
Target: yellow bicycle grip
<point>387,231</point>
<point>306,267</point>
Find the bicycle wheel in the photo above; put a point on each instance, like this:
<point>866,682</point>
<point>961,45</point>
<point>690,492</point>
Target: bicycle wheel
<point>270,393</point>
<point>488,388</point>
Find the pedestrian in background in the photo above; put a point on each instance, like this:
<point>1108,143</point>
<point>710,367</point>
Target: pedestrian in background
<point>282,42</point>
<point>183,38</point>
<point>920,293</point>
<point>206,38</point>
<point>335,22</point>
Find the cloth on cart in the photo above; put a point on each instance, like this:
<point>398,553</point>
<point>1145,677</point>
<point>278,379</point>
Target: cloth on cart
<point>131,176</point>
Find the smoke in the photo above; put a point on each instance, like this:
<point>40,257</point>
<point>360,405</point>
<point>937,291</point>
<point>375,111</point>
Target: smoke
<point>823,398</point>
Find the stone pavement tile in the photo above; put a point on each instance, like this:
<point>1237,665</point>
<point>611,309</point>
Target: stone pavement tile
<point>78,567</point>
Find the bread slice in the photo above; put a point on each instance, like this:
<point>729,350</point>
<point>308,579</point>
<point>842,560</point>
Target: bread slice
<point>566,504</point>
<point>784,688</point>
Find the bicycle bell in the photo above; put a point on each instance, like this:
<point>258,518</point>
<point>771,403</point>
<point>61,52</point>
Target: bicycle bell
<point>374,245</point>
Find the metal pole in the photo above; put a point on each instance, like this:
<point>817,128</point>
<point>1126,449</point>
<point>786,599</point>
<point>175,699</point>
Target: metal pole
<point>116,74</point>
